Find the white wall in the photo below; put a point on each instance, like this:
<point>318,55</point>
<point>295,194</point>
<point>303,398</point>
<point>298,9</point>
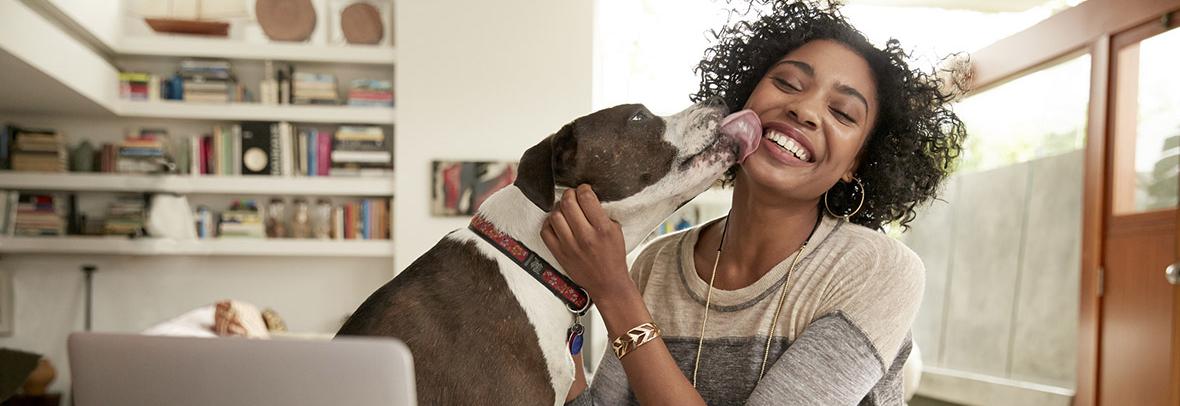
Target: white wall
<point>480,80</point>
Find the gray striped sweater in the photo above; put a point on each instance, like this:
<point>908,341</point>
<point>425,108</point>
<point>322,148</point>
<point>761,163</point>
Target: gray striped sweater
<point>841,339</point>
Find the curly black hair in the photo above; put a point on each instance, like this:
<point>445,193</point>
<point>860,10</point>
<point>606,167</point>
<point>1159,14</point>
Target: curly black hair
<point>912,147</point>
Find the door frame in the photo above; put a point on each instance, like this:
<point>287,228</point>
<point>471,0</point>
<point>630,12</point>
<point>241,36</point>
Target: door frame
<point>1096,27</point>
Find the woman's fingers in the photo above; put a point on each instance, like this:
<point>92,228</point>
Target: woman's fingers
<point>592,208</point>
<point>573,214</point>
<point>561,228</point>
<point>550,238</point>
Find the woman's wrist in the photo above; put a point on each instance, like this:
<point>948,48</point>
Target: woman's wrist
<point>622,310</point>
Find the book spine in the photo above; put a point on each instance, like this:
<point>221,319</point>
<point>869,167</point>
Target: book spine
<point>215,151</point>
<point>366,218</point>
<point>349,222</point>
<point>284,149</point>
<point>236,151</point>
<point>206,146</point>
<point>323,153</point>
<point>301,152</point>
<point>194,155</point>
<point>312,146</point>
<point>338,223</point>
<point>276,150</point>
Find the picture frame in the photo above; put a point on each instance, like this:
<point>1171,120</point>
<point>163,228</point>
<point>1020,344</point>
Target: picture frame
<point>458,188</point>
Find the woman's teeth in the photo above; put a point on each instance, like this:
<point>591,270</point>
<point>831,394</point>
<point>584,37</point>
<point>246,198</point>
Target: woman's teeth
<point>789,145</point>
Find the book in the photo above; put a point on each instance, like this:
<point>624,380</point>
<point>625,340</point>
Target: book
<point>362,156</point>
<point>287,147</point>
<point>323,152</point>
<point>256,158</point>
<point>312,149</point>
<point>276,150</point>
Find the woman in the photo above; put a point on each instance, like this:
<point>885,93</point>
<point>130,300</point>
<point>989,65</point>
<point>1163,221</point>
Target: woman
<point>795,297</point>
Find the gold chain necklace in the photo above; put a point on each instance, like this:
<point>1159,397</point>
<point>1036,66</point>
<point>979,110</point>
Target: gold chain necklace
<point>773,321</point>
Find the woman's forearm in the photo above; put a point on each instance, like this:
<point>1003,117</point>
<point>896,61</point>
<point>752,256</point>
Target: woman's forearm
<point>653,374</point>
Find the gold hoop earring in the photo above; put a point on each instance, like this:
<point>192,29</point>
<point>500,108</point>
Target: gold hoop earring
<point>858,187</point>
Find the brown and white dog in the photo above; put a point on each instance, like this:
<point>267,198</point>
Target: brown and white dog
<point>481,329</point>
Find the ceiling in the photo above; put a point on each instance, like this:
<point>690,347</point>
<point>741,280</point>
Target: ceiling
<point>976,5</point>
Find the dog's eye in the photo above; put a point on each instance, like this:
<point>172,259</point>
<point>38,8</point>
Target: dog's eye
<point>638,116</point>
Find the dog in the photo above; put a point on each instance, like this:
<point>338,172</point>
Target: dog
<point>482,329</point>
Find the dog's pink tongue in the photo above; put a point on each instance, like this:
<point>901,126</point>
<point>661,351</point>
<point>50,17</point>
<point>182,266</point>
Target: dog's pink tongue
<point>744,127</point>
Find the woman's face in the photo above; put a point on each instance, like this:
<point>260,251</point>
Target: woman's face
<point>817,105</point>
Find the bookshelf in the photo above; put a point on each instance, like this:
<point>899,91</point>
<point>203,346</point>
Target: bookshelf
<point>183,184</point>
<point>255,112</point>
<point>238,50</point>
<point>77,245</point>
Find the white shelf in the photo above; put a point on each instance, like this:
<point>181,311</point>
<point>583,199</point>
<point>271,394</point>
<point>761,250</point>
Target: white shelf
<point>247,185</point>
<point>218,247</point>
<point>255,112</point>
<point>177,46</point>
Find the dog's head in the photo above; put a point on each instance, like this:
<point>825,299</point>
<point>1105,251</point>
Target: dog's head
<point>641,166</point>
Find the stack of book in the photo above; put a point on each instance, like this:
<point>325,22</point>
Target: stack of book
<point>315,88</point>
<point>242,220</point>
<point>135,85</point>
<point>40,215</point>
<point>141,153</point>
<point>37,151</point>
<point>206,81</point>
<point>361,151</point>
<point>367,219</point>
<point>370,92</point>
<point>125,216</point>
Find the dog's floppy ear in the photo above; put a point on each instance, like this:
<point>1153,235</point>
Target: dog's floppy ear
<point>545,164</point>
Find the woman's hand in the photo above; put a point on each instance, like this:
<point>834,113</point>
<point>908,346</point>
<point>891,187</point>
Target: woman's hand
<point>588,244</point>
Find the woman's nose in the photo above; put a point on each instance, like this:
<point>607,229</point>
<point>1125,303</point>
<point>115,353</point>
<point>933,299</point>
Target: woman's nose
<point>804,116</point>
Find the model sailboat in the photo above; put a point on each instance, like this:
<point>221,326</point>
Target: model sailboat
<point>196,17</point>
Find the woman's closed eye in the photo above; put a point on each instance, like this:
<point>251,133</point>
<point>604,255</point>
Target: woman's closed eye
<point>786,86</point>
<point>843,117</point>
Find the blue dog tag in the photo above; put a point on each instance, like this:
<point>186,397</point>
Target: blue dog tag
<point>574,339</point>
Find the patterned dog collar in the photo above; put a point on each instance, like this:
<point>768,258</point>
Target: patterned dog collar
<point>574,296</point>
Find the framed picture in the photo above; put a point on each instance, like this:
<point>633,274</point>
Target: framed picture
<point>459,187</point>
<point>7,302</point>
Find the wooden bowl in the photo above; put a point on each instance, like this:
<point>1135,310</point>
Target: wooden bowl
<point>286,20</point>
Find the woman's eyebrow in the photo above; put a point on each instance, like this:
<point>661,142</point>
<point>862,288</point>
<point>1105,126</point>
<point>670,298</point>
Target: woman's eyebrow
<point>851,91</point>
<point>803,66</point>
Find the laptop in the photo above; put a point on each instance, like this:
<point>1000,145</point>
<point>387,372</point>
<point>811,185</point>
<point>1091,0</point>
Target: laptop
<point>121,369</point>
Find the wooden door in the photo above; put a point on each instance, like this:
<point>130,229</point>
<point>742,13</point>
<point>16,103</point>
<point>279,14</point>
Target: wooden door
<point>1137,356</point>
<point>1139,338</point>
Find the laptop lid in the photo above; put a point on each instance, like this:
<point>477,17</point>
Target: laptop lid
<point>121,369</point>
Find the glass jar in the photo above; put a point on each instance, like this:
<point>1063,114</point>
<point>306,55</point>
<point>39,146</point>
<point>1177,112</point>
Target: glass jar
<point>321,225</point>
<point>301,219</point>
<point>276,223</point>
